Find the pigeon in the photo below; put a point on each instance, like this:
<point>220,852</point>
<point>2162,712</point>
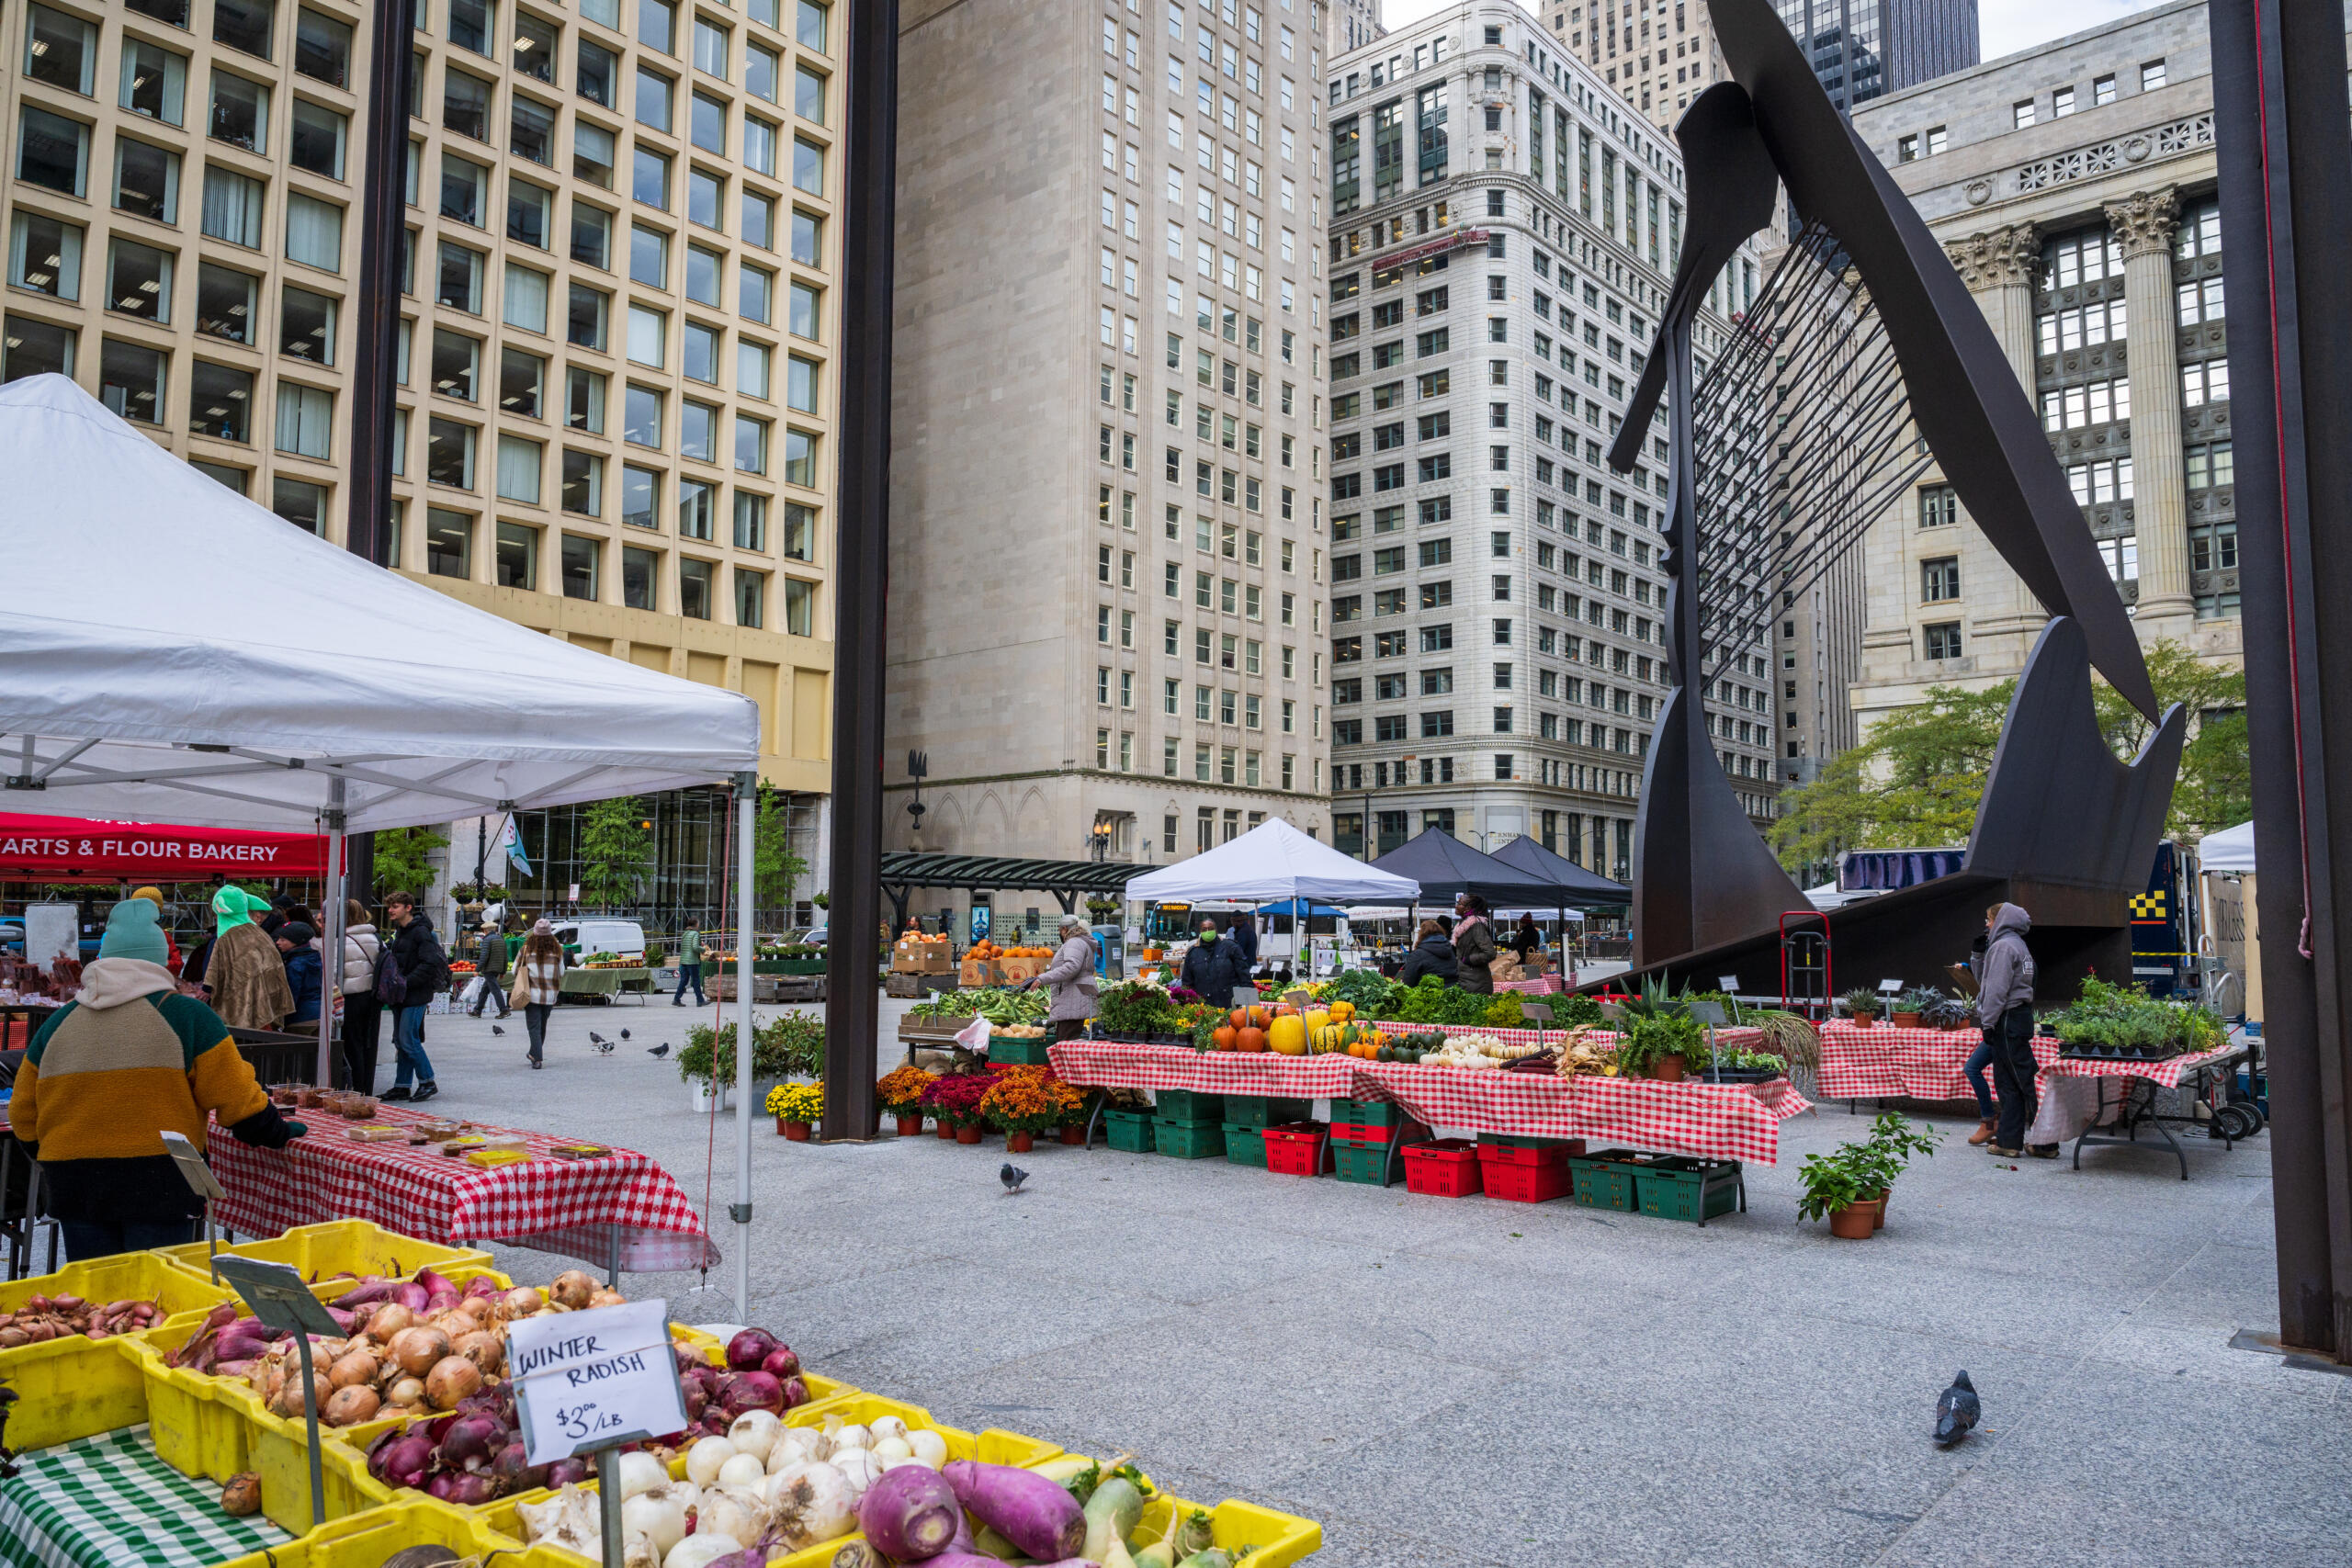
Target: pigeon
<point>1957,1410</point>
<point>596,1039</point>
<point>624,1033</point>
<point>661,1050</point>
<point>495,1030</point>
<point>1012,1175</point>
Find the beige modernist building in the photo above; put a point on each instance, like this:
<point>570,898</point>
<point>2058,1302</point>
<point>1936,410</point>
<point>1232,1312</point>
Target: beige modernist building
<point>2072,187</point>
<point>1109,534</point>
<point>1501,240</point>
<point>1656,57</point>
<point>616,318</point>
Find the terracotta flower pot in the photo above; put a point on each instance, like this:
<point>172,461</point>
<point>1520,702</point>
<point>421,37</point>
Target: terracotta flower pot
<point>1864,1019</point>
<point>910,1127</point>
<point>1018,1142</point>
<point>1666,1069</point>
<point>1852,1223</point>
<point>948,1129</point>
<point>1074,1135</point>
<point>797,1132</point>
<point>967,1134</point>
<point>1905,1020</point>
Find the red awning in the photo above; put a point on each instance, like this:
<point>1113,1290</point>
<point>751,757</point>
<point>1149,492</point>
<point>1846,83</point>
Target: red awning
<point>64,848</point>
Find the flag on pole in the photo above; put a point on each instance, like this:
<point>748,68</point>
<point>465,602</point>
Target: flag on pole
<point>510,838</point>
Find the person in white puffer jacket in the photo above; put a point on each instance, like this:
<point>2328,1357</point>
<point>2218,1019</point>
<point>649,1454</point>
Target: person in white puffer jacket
<point>363,1015</point>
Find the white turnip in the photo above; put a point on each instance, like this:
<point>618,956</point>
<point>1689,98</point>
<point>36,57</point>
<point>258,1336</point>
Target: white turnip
<point>755,1433</point>
<point>660,1514</point>
<point>703,1458</point>
<point>740,1470</point>
<point>928,1445</point>
<point>640,1471</point>
<point>732,1513</point>
<point>809,1501</point>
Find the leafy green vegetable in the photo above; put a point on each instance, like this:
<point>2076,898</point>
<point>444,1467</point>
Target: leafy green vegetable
<point>1368,988</point>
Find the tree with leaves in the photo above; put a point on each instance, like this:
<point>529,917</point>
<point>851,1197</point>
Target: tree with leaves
<point>775,868</point>
<point>1915,782</point>
<point>402,859</point>
<point>616,853</point>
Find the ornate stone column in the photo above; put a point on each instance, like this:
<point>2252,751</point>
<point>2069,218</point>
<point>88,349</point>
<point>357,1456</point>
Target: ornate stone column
<point>2142,224</point>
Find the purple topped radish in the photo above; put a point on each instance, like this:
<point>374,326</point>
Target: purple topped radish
<point>1036,1514</point>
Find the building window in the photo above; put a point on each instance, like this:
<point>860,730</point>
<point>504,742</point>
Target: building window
<point>448,543</point>
<point>2214,547</point>
<point>2151,75</point>
<point>1943,640</point>
<point>518,557</point>
<point>53,151</point>
<point>640,577</point>
<point>582,560</point>
<point>694,588</point>
<point>1939,578</point>
<point>130,382</point>
<point>219,397</point>
<point>2210,465</point>
<point>2021,113</point>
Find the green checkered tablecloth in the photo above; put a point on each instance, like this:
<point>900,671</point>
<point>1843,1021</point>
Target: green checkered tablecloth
<point>107,1501</point>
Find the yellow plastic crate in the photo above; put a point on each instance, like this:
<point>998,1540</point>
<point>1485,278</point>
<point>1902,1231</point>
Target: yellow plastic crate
<point>364,1540</point>
<point>358,1247</point>
<point>129,1276</point>
<point>1280,1539</point>
<point>72,1387</point>
<point>198,1421</point>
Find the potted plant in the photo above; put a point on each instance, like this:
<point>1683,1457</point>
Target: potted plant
<point>899,1092</point>
<point>1885,1155</point>
<point>708,1066</point>
<point>1659,1045</point>
<point>1863,1005</point>
<point>1910,1006</point>
<point>1025,1101</point>
<point>1074,1128</point>
<point>1133,1010</point>
<point>1833,1188</point>
<point>795,1107</point>
<point>955,1102</point>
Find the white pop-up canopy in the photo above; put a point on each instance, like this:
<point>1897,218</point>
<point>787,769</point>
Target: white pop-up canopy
<point>2231,848</point>
<point>172,652</point>
<point>1273,861</point>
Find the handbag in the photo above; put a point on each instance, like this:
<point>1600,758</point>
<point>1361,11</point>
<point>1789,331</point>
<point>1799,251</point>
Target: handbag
<point>391,986</point>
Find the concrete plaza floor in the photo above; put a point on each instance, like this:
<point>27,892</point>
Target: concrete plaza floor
<point>1446,1382</point>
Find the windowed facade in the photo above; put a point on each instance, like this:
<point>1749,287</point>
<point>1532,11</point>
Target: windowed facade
<point>186,240</point>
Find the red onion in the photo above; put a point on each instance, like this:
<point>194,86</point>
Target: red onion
<point>716,1421</point>
<point>443,1486</point>
<point>567,1472</point>
<point>412,1295</point>
<point>401,1457</point>
<point>687,1358</point>
<point>369,1294</point>
<point>780,1362</point>
<point>471,1491</point>
<point>749,1348</point>
<point>471,1438</point>
<point>795,1394</point>
<point>695,1400</point>
<point>751,1391</point>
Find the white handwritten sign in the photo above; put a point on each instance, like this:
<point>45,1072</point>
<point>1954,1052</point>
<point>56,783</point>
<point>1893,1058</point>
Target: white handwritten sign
<point>586,1380</point>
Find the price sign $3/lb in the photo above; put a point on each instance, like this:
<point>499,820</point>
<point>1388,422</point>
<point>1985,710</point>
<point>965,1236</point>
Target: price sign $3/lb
<point>594,1378</point>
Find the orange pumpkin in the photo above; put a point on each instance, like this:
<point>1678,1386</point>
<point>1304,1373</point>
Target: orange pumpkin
<point>1250,1039</point>
<point>1224,1036</point>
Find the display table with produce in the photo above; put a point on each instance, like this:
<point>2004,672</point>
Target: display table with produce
<point>606,980</point>
<point>2098,1100</point>
<point>618,1207</point>
<point>1737,1121</point>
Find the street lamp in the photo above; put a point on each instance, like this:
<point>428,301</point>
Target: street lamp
<point>1099,836</point>
<point>917,769</point>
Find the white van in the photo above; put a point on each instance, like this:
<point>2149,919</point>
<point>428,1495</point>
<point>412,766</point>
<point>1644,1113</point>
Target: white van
<point>595,933</point>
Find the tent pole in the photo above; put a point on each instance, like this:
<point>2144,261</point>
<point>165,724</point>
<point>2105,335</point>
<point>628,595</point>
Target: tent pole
<point>747,805</point>
<point>330,955</point>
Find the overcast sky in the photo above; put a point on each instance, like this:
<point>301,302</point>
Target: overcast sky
<point>2006,26</point>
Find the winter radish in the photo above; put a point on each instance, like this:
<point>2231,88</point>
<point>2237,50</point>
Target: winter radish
<point>753,1433</point>
<point>742,1470</point>
<point>705,1457</point>
<point>911,1514</point>
<point>1038,1515</point>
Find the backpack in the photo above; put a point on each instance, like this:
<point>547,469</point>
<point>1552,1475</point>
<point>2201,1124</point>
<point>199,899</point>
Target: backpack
<point>391,986</point>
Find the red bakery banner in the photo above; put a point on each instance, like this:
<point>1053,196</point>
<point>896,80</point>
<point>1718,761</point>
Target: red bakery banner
<point>59,848</point>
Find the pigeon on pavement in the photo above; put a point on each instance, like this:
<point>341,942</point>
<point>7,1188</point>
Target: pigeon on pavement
<point>603,1047</point>
<point>596,1039</point>
<point>661,1050</point>
<point>1012,1175</point>
<point>495,1030</point>
<point>1957,1410</point>
<point>624,1033</point>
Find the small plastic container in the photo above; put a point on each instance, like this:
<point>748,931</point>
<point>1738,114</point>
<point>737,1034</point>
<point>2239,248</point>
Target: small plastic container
<point>1526,1183</point>
<point>1130,1131</point>
<point>1445,1167</point>
<point>1366,1163</point>
<point>1245,1146</point>
<point>1301,1148</point>
<point>1190,1140</point>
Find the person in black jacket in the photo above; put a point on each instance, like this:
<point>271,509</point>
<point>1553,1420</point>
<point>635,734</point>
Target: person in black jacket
<point>1433,954</point>
<point>1243,929</point>
<point>423,968</point>
<point>1214,966</point>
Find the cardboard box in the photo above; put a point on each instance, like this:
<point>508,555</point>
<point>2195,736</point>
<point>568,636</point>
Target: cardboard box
<point>973,973</point>
<point>1016,970</point>
<point>914,956</point>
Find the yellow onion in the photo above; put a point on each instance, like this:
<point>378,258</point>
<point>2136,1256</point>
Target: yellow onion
<point>241,1497</point>
<point>453,1378</point>
<point>349,1406</point>
<point>522,1302</point>
<point>572,1288</point>
<point>416,1350</point>
<point>352,1369</point>
<point>389,1320</point>
<point>482,1349</point>
<point>406,1391</point>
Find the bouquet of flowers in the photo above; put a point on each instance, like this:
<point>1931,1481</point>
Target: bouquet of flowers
<point>1029,1099</point>
<point>955,1098</point>
<point>899,1092</point>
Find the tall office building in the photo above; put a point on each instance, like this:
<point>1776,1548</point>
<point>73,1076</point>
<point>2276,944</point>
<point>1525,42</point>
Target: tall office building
<point>615,380</point>
<point>1502,233</point>
<point>1109,534</point>
<point>2073,186</point>
<point>1864,49</point>
<point>1354,23</point>
<point>1655,60</point>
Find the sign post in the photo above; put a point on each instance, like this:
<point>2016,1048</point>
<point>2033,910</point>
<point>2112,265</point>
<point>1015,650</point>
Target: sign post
<point>203,1183</point>
<point>281,1299</point>
<point>592,1382</point>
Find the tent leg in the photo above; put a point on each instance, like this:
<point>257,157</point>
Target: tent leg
<point>331,955</point>
<point>747,805</point>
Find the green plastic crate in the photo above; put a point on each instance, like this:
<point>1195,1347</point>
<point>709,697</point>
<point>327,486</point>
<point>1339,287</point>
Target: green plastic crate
<point>1191,1140</point>
<point>1130,1130</point>
<point>1187,1105</point>
<point>1245,1146</point>
<point>1605,1180</point>
<point>1017,1053</point>
<point>1263,1111</point>
<point>1368,1113</point>
<point>1366,1163</point>
<point>1671,1187</point>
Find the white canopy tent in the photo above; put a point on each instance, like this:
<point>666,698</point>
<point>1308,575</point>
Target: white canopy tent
<point>2231,848</point>
<point>174,652</point>
<point>1270,861</point>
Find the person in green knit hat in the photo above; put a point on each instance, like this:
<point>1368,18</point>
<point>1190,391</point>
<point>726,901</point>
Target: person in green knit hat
<point>246,973</point>
<point>127,1060</point>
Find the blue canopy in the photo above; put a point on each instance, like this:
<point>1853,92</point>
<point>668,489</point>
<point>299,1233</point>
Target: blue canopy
<point>1294,906</point>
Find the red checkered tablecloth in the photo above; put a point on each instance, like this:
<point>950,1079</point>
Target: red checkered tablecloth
<point>1886,1063</point>
<point>2166,1074</point>
<point>1713,1120</point>
<point>559,1205</point>
<point>1541,985</point>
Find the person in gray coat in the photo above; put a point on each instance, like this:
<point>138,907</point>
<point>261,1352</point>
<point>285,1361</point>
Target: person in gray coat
<point>1473,944</point>
<point>1070,979</point>
<point>2005,1011</point>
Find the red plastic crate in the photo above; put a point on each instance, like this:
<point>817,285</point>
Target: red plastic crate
<point>1447,1167</point>
<point>1366,1132</point>
<point>1300,1149</point>
<point>1527,1183</point>
<point>1545,1157</point>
